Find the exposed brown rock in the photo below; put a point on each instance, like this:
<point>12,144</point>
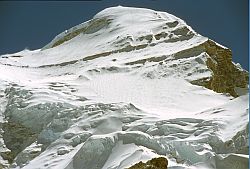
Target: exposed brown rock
<point>155,163</point>
<point>16,137</point>
<point>8,155</point>
<point>172,24</point>
<point>161,35</point>
<point>226,76</point>
<point>143,61</point>
<point>94,24</point>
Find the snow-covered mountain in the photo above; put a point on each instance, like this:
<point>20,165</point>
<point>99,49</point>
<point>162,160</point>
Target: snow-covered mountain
<point>129,85</point>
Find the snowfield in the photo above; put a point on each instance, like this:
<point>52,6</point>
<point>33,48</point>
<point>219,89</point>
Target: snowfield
<point>117,90</point>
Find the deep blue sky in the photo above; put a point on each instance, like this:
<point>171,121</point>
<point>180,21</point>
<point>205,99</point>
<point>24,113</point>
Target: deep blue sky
<point>33,24</point>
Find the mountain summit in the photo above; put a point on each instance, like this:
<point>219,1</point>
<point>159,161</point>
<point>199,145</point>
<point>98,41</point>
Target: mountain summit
<point>129,85</point>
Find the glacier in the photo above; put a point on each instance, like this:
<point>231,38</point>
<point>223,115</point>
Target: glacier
<point>129,85</point>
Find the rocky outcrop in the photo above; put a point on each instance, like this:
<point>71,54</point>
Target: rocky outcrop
<point>91,26</point>
<point>226,75</point>
<point>155,163</point>
<point>16,138</point>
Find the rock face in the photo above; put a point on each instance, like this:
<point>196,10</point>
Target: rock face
<point>155,163</point>
<point>17,137</point>
<point>226,75</point>
<point>94,25</point>
<point>128,85</point>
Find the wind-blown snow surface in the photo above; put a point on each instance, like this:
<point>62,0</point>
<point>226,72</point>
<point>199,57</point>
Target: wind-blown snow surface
<point>113,92</point>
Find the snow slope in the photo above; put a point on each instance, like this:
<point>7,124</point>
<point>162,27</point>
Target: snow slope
<point>117,90</point>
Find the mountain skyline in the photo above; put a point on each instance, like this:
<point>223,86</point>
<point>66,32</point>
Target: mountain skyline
<point>33,24</point>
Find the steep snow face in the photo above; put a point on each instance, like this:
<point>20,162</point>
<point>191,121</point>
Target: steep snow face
<point>115,30</point>
<point>129,85</point>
